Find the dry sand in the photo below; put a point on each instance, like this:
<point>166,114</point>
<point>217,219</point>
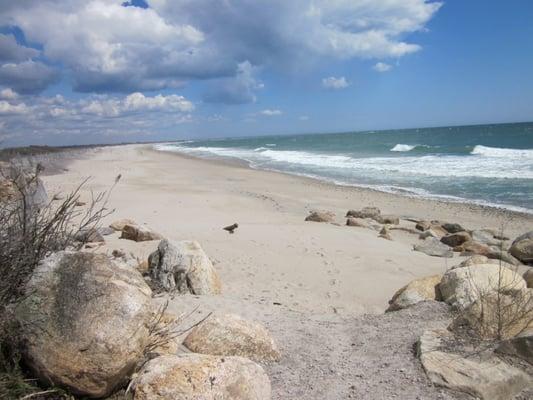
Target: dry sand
<point>310,283</point>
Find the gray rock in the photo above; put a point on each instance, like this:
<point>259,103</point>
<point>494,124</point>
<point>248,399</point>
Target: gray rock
<point>90,235</point>
<point>321,216</point>
<point>433,247</point>
<point>456,239</point>
<point>522,248</point>
<point>520,346</point>
<point>95,315</point>
<point>366,212</point>
<point>105,230</point>
<point>139,233</point>
<point>460,287</point>
<point>231,335</point>
<point>183,267</point>
<point>201,377</point>
<point>452,228</point>
<point>487,379</point>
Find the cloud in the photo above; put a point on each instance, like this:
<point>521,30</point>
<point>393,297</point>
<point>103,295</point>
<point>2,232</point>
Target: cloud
<point>108,47</point>
<point>382,67</point>
<point>8,108</point>
<point>27,77</point>
<point>335,83</point>
<point>96,116</point>
<point>8,94</point>
<point>11,51</point>
<point>236,90</point>
<point>270,113</point>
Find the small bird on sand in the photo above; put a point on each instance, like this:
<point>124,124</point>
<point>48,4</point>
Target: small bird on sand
<point>231,228</point>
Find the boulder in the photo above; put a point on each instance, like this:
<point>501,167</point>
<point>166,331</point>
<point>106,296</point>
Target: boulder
<point>321,216</point>
<point>121,223</point>
<point>528,277</point>
<point>486,379</point>
<point>456,239</point>
<point>183,267</point>
<point>485,237</point>
<point>473,260</point>
<point>520,346</point>
<point>523,250</point>
<point>460,287</point>
<point>497,316</point>
<point>423,225</point>
<point>385,233</point>
<point>90,235</point>
<point>95,314</point>
<point>471,248</point>
<point>433,247</point>
<point>387,219</point>
<point>366,212</point>
<point>418,290</point>
<point>105,230</point>
<point>427,234</point>
<point>231,335</point>
<point>452,228</point>
<point>201,377</point>
<point>360,222</point>
<point>139,233</point>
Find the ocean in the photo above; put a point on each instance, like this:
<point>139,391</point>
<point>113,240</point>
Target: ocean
<point>484,164</point>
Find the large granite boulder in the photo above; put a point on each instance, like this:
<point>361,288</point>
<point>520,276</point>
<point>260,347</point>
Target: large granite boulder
<point>497,316</point>
<point>139,233</point>
<point>84,322</point>
<point>321,216</point>
<point>231,335</point>
<point>183,267</point>
<point>486,379</point>
<point>414,292</point>
<point>522,248</point>
<point>460,287</point>
<point>201,377</point>
<point>433,247</point>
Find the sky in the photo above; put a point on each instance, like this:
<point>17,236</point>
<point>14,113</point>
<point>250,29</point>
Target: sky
<point>95,71</point>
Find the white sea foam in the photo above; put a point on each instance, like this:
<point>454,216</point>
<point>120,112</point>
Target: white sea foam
<point>403,147</point>
<point>500,152</point>
<point>444,166</point>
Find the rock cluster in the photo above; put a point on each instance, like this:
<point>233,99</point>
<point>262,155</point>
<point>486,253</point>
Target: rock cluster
<point>88,320</point>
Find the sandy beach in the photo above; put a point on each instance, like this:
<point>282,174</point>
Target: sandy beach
<point>319,288</point>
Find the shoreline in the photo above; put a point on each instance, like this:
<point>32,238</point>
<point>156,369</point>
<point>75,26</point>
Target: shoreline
<point>474,205</point>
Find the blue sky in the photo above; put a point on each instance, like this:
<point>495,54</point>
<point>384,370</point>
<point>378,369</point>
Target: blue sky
<point>86,71</point>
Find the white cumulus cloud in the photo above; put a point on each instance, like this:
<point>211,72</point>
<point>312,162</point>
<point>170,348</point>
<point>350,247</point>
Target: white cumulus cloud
<point>382,67</point>
<point>335,83</point>
<point>271,112</point>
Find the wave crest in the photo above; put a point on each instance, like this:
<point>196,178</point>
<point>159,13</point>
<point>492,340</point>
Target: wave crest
<point>403,147</point>
<point>501,152</point>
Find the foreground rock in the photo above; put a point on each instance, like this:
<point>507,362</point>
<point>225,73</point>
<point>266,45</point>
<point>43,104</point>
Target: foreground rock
<point>320,216</point>
<point>460,287</point>
<point>433,247</point>
<point>520,346</point>
<point>452,227</point>
<point>487,379</point>
<point>201,377</point>
<point>416,291</point>
<point>139,233</point>
<point>522,248</point>
<point>91,235</point>
<point>231,335</point>
<point>94,313</point>
<point>183,267</point>
<point>497,316</point>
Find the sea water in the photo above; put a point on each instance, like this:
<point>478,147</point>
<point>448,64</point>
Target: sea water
<point>487,164</point>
